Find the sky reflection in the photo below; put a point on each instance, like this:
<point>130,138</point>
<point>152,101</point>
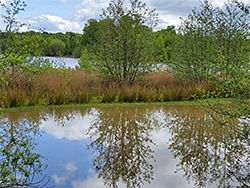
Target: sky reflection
<point>83,147</point>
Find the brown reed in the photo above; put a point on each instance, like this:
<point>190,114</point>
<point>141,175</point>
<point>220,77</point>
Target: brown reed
<point>78,87</point>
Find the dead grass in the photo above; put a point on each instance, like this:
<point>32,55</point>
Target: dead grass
<point>78,87</point>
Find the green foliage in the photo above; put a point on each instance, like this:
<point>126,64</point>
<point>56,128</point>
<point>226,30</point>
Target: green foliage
<point>56,47</point>
<point>89,33</point>
<point>18,55</point>
<point>235,87</point>
<point>77,52</point>
<point>124,46</point>
<point>207,34</point>
<point>72,42</point>
<point>165,39</point>
<point>84,63</point>
<point>17,50</point>
<point>230,70</point>
<point>69,44</point>
<point>195,49</point>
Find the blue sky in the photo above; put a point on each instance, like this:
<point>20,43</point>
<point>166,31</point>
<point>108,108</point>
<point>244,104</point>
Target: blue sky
<point>71,15</point>
<point>62,8</point>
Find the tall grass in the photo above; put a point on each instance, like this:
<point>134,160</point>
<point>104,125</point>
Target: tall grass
<point>75,86</point>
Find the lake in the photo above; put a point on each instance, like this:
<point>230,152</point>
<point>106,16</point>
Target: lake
<point>159,147</point>
<point>69,62</point>
<point>72,62</point>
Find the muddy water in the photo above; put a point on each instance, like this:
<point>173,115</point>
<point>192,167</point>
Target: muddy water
<point>156,147</point>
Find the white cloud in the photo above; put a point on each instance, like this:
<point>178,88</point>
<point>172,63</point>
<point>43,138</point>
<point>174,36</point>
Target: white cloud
<point>219,3</point>
<point>53,24</point>
<point>62,180</point>
<point>90,9</point>
<point>71,167</point>
<point>165,165</point>
<point>2,25</point>
<point>63,1</point>
<point>4,1</point>
<point>92,181</point>
<point>59,180</point>
<point>167,20</point>
<point>169,13</point>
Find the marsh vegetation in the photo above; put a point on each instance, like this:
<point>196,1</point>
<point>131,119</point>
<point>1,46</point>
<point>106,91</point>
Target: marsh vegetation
<point>124,60</point>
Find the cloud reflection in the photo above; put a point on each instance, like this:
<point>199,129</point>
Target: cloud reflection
<point>187,149</point>
<point>74,130</point>
<point>59,180</point>
<point>90,181</point>
<point>71,127</point>
<point>71,167</point>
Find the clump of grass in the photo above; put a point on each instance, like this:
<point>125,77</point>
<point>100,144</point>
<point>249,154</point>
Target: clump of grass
<point>67,86</point>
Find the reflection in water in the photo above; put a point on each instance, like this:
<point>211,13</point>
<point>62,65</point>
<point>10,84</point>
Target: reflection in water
<point>63,116</point>
<point>204,158</point>
<point>123,140</point>
<point>121,146</point>
<point>26,125</point>
<point>19,165</point>
<point>29,127</point>
<point>22,128</point>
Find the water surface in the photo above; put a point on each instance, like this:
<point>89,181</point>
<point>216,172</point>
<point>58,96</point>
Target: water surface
<point>69,62</point>
<point>156,147</point>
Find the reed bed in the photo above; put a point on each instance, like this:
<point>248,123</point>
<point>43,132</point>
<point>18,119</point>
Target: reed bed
<point>78,87</point>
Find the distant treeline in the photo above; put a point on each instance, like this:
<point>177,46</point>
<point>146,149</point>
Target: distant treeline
<point>71,44</point>
<point>59,44</point>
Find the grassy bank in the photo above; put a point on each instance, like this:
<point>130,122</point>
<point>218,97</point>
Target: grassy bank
<point>101,105</point>
<point>71,87</point>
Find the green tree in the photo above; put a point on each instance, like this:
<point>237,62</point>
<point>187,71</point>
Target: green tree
<point>19,165</point>
<point>72,43</point>
<point>233,77</point>
<point>195,48</point>
<point>165,44</point>
<point>77,52</point>
<point>89,33</point>
<point>232,35</point>
<point>209,33</point>
<point>57,47</point>
<point>124,49</point>
<point>18,55</point>
<point>17,50</point>
<point>235,87</point>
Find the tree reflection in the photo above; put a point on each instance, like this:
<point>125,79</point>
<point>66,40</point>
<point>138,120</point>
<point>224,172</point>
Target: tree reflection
<point>25,125</point>
<point>121,145</point>
<point>23,128</point>
<point>204,157</point>
<point>19,132</point>
<point>19,164</point>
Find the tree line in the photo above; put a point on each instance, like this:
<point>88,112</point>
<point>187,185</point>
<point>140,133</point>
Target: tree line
<point>73,44</point>
<point>59,44</point>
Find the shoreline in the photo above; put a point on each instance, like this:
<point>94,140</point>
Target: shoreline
<point>101,105</point>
